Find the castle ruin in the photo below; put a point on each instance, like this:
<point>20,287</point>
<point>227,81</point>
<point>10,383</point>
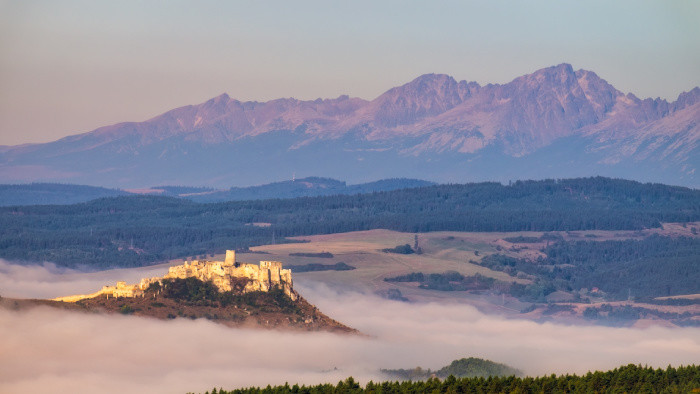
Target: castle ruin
<point>262,277</point>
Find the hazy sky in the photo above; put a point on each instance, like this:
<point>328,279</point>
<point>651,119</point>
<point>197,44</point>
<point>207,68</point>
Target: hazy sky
<point>71,66</point>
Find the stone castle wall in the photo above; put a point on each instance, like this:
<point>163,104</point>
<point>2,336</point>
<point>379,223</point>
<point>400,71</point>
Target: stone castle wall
<point>263,277</point>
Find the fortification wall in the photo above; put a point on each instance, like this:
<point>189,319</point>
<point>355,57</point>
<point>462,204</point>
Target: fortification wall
<point>263,277</point>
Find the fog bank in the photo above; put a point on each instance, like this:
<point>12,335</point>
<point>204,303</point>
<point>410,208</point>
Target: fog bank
<point>46,280</point>
<point>44,348</point>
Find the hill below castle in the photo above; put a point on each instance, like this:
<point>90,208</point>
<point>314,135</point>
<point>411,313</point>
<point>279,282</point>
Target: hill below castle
<point>269,310</point>
<point>229,292</point>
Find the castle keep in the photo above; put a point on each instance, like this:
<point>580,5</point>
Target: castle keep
<point>262,277</point>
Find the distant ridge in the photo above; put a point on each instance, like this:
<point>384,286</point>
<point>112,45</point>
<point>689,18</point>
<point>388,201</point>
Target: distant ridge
<point>556,122</point>
<point>306,187</point>
<point>60,194</point>
<point>53,194</point>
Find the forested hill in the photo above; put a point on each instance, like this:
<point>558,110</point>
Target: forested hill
<point>137,230</point>
<point>56,193</point>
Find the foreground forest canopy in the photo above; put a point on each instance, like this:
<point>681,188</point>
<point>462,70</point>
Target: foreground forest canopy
<point>133,231</point>
<point>627,379</point>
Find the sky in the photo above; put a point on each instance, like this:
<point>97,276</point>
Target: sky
<point>118,354</point>
<point>69,67</point>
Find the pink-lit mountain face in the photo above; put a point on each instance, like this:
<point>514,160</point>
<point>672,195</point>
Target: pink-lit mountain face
<point>555,122</point>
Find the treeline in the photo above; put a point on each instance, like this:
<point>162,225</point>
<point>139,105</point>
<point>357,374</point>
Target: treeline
<point>138,230</point>
<point>447,281</point>
<point>613,315</point>
<point>627,379</point>
<point>322,255</point>
<point>314,267</point>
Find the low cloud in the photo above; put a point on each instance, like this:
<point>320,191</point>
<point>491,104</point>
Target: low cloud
<point>46,280</point>
<point>43,348</point>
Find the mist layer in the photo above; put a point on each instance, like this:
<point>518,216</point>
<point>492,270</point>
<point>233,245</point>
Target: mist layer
<point>44,348</point>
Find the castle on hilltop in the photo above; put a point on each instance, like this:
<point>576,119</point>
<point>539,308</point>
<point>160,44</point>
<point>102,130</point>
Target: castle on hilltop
<point>222,274</point>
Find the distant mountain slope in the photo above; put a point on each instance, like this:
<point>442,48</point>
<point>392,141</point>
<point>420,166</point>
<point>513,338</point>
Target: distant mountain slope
<point>51,193</point>
<point>555,122</point>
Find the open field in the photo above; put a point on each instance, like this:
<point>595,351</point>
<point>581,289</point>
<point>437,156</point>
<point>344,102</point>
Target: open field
<point>442,251</point>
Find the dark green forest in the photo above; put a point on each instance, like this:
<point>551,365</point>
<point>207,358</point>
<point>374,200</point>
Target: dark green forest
<point>322,255</point>
<point>139,230</point>
<point>447,281</point>
<point>639,269</point>
<point>314,267</point>
<point>471,367</point>
<point>626,379</point>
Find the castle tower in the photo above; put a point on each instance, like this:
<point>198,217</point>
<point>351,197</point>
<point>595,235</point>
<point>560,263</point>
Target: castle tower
<point>230,257</point>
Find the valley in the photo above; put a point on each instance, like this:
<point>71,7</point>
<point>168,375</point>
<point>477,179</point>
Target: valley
<point>364,262</point>
<point>461,253</point>
<point>581,251</point>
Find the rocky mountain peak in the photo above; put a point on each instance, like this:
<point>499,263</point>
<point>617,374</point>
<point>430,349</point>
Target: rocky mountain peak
<point>599,93</point>
<point>686,99</point>
<point>547,104</point>
<point>427,95</point>
<point>562,74</point>
<point>428,117</point>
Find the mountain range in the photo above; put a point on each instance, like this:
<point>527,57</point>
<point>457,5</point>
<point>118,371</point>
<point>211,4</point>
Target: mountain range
<point>556,122</point>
